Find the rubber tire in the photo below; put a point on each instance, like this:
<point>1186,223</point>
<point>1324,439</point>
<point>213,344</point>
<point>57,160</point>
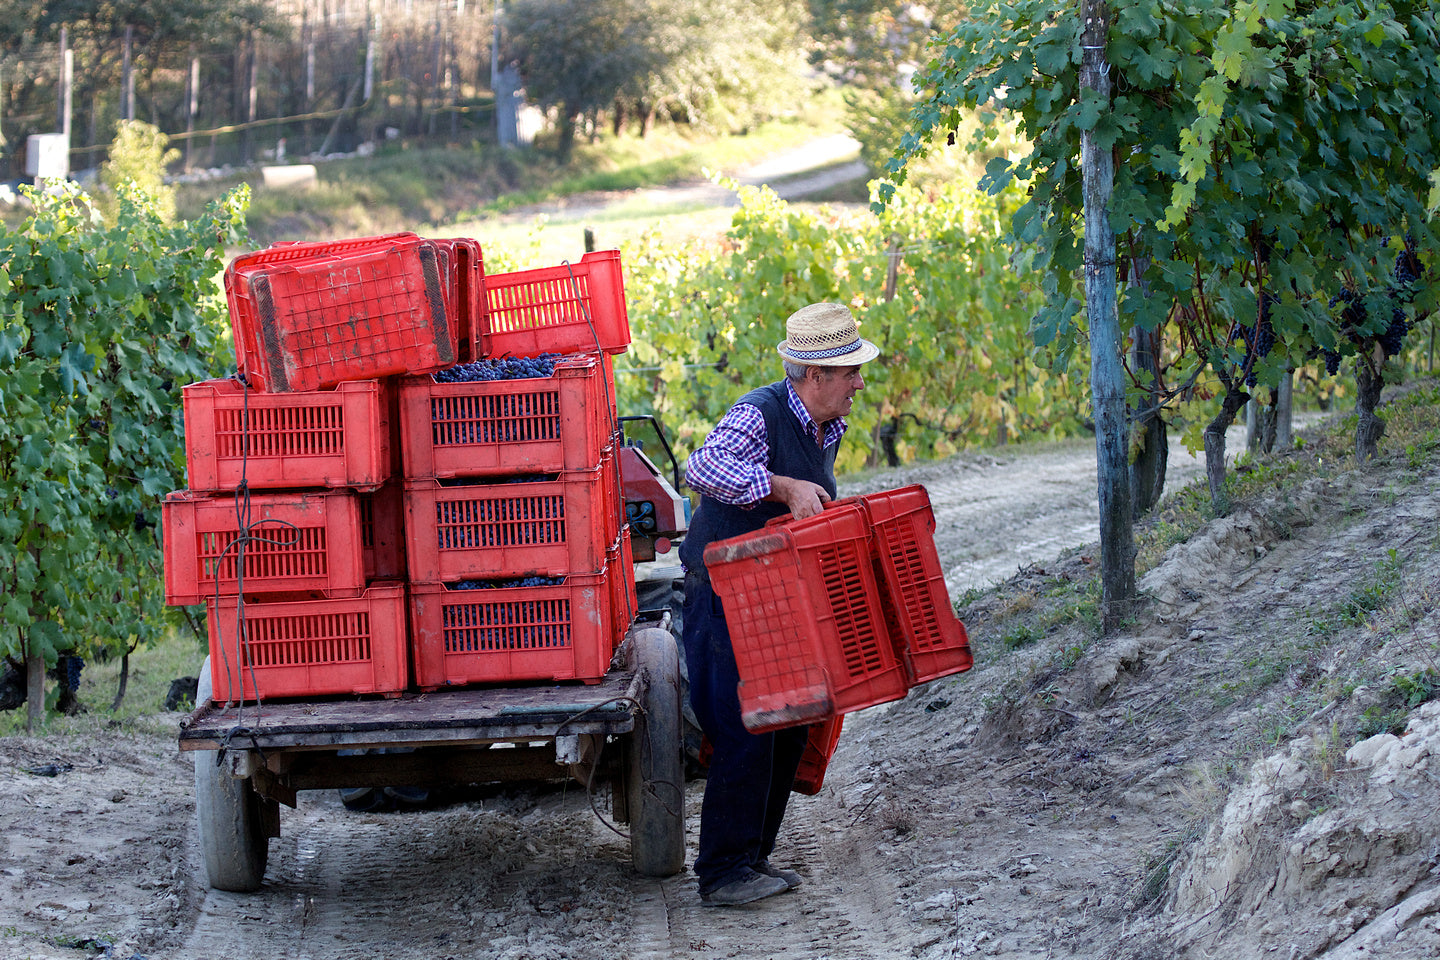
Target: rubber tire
<point>655,594</point>
<point>229,817</point>
<point>655,764</point>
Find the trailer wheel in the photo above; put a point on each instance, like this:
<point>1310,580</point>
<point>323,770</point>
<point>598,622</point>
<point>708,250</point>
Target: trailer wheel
<point>655,769</point>
<point>230,818</point>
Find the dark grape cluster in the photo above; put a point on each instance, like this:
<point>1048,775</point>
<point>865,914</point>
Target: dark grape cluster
<point>1259,339</point>
<point>470,524</point>
<point>1406,270</point>
<point>502,584</point>
<point>69,669</point>
<point>506,368</point>
<point>494,626</point>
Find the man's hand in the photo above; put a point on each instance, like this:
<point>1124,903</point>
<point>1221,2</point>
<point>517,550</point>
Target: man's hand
<point>805,499</point>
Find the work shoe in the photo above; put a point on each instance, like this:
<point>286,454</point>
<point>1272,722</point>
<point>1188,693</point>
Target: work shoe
<point>791,878</point>
<point>750,887</point>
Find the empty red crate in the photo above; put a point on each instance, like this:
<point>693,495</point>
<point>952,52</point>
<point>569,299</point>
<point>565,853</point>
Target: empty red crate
<point>282,251</point>
<point>819,748</point>
<point>467,291</point>
<point>538,425</point>
<point>505,634</point>
<point>460,261</point>
<point>572,308</point>
<point>310,322</point>
<point>541,527</point>
<point>305,648</point>
<point>382,532</point>
<point>322,438</point>
<point>932,641</point>
<point>294,544</point>
<point>806,620</point>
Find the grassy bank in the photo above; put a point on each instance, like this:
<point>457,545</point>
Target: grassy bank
<point>432,190</point>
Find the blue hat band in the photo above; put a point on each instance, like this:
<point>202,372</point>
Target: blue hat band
<point>825,354</point>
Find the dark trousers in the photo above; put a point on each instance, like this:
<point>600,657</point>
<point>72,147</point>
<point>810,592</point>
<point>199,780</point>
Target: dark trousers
<point>750,774</point>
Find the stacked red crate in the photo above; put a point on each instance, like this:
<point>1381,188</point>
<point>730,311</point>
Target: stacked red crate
<point>342,498</point>
<point>291,533</point>
<point>518,556</point>
<point>292,527</point>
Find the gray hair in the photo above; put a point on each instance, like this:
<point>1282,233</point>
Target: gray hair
<point>795,371</point>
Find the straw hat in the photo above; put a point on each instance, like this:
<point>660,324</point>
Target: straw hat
<point>825,335</point>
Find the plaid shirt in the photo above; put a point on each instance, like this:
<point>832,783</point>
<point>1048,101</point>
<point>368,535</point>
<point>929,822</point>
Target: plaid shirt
<point>732,464</point>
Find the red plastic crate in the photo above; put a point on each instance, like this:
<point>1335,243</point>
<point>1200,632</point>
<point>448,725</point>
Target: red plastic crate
<point>931,640</point>
<point>299,545</point>
<point>539,425</point>
<point>506,634</point>
<point>572,308</point>
<point>621,564</point>
<point>310,322</point>
<point>805,616</point>
<point>466,291</point>
<point>382,532</point>
<point>322,438</point>
<point>540,527</point>
<point>824,736</point>
<point>306,648</point>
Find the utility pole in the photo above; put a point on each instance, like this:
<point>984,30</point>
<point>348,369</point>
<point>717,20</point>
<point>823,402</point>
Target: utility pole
<point>1107,375</point>
<point>127,77</point>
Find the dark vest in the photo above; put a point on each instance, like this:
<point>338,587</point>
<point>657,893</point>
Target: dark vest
<point>791,454</point>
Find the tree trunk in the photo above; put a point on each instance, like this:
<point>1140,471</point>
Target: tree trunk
<point>1107,376</point>
<point>565,144</point>
<point>124,682</point>
<point>340,117</point>
<point>886,432</point>
<point>1151,445</point>
<point>1260,425</point>
<point>34,690</point>
<point>1284,413</point>
<point>1369,381</point>
<point>1235,398</point>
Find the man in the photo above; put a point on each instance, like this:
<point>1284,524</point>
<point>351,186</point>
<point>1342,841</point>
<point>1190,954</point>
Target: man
<point>772,453</point>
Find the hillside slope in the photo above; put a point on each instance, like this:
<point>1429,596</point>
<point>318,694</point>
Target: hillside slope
<point>1250,769</point>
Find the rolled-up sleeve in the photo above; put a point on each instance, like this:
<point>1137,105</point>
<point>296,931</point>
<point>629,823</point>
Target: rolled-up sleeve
<point>731,464</point>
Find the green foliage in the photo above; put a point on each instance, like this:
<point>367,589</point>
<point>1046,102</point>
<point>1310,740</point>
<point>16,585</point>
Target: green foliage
<point>724,63</point>
<point>721,64</point>
<point>954,368</point>
<point>1374,592</point>
<point>872,47</point>
<point>138,156</point>
<point>101,326</point>
<point>1264,149</point>
<point>1404,694</point>
<point>578,56</point>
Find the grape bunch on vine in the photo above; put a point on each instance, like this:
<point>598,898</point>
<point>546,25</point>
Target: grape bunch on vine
<point>1354,314</point>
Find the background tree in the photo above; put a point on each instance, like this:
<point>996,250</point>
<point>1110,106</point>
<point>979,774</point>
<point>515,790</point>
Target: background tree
<point>579,57</point>
<point>874,48</point>
<point>720,65</point>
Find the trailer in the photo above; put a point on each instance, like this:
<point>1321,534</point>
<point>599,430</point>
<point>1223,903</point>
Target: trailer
<point>624,735</point>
